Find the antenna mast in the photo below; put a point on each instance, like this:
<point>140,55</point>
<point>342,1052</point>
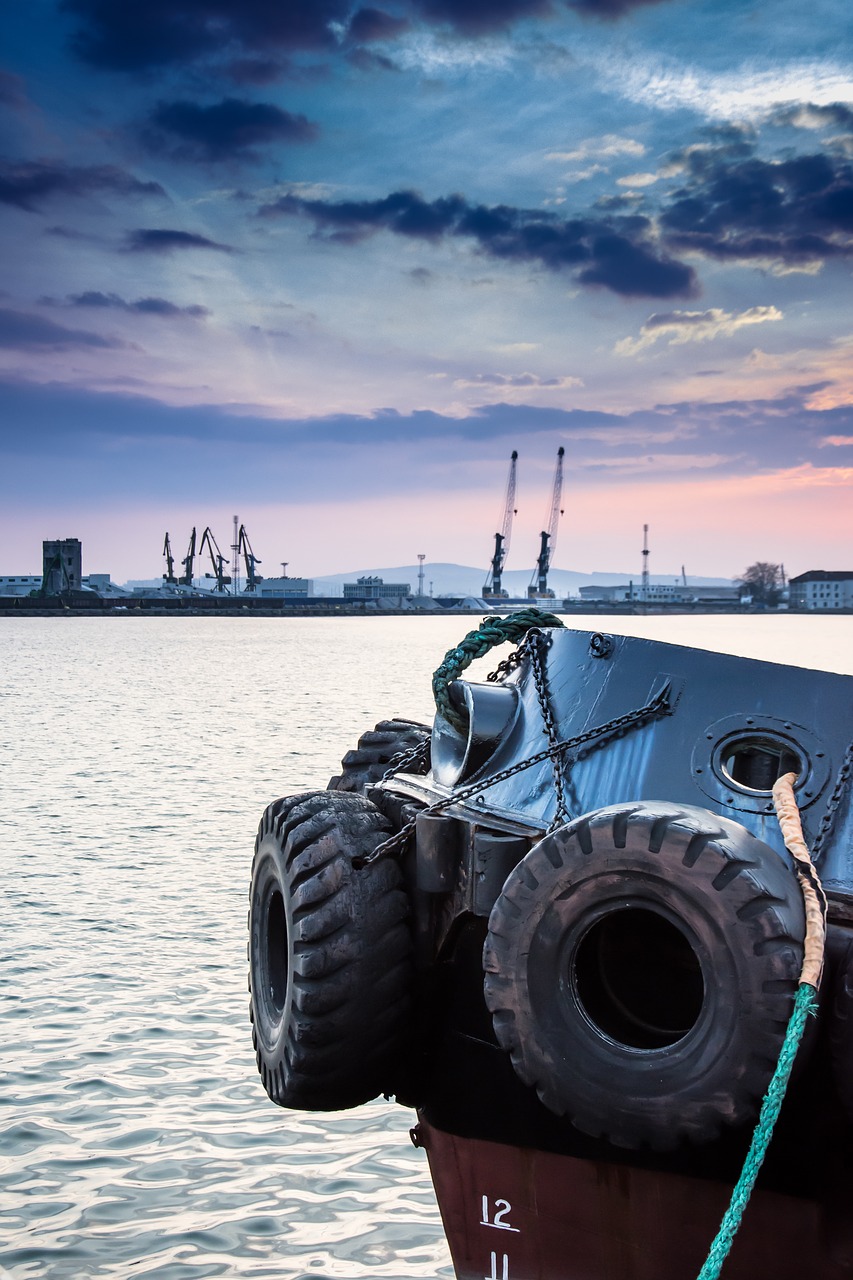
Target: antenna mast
<point>235,558</point>
<point>644,590</point>
<point>493,585</point>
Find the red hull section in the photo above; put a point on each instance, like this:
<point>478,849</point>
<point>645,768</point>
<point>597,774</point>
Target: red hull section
<point>517,1214</point>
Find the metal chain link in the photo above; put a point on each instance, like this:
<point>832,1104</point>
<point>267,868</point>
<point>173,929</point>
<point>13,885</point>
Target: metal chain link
<point>417,755</point>
<point>538,643</point>
<point>827,822</point>
<point>659,705</point>
<point>510,663</point>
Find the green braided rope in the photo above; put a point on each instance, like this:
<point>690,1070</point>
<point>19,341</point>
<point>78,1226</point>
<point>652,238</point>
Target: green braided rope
<point>491,632</point>
<point>804,1005</point>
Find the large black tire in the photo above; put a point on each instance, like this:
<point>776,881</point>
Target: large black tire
<point>841,1030</point>
<point>366,765</point>
<point>329,954</point>
<point>641,964</point>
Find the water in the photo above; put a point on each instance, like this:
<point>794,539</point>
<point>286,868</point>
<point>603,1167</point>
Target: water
<point>136,756</point>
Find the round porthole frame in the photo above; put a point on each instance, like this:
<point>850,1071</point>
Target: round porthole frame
<point>714,781</point>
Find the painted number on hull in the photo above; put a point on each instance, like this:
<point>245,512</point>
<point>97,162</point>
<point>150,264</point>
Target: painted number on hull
<point>504,1272</point>
<point>498,1218</point>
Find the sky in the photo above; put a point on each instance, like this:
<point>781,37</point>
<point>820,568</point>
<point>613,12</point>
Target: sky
<point>326,266</point>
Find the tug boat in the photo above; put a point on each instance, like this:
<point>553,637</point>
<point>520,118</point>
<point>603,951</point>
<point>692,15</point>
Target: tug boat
<point>562,923</point>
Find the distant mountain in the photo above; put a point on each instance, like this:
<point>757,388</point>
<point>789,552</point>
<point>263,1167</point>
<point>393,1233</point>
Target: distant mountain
<point>466,580</point>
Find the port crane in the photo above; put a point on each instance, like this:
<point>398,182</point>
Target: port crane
<point>250,559</point>
<point>539,582</point>
<point>493,585</point>
<point>217,559</point>
<point>169,575</point>
<point>186,578</point>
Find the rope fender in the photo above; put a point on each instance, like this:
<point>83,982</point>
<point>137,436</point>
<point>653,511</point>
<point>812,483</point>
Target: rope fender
<point>805,1003</point>
<point>491,632</point>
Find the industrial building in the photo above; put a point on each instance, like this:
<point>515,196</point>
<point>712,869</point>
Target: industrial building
<point>660,593</point>
<point>62,566</point>
<point>286,588</point>
<point>822,589</point>
<point>373,588</point>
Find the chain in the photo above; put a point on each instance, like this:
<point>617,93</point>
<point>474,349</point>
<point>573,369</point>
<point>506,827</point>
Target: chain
<point>658,706</point>
<point>418,755</point>
<point>510,663</point>
<point>827,822</point>
<point>539,642</point>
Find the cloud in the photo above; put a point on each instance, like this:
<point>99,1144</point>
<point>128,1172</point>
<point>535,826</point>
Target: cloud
<point>518,381</point>
<point>28,184</point>
<point>793,212</point>
<point>679,327</point>
<point>610,146</point>
<point>228,130</point>
<point>610,9</point>
<point>22,332</point>
<point>146,306</point>
<point>161,33</point>
<point>808,115</point>
<point>12,92</point>
<point>370,24</point>
<point>164,240</point>
<point>618,255</point>
<point>747,92</point>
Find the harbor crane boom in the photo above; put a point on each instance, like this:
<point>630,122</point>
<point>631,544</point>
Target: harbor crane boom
<point>539,583</point>
<point>493,585</point>
<point>169,575</point>
<point>217,559</point>
<point>245,546</point>
<point>186,578</point>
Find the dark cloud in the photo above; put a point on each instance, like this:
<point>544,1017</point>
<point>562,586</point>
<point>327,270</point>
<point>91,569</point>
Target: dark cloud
<point>256,71</point>
<point>794,211</point>
<point>807,115</point>
<point>163,240</point>
<point>179,450</point>
<point>480,17</point>
<point>146,306</point>
<point>22,332</point>
<point>12,93</point>
<point>608,9</point>
<point>130,37</point>
<point>227,130</point>
<point>375,24</point>
<point>617,255</point>
<point>28,184</point>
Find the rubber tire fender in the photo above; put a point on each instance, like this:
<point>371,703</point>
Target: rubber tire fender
<point>841,1030</point>
<point>330,973</point>
<point>367,764</point>
<point>721,921</point>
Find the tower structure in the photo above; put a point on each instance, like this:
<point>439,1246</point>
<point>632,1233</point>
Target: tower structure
<point>644,589</point>
<point>62,566</point>
<point>421,558</point>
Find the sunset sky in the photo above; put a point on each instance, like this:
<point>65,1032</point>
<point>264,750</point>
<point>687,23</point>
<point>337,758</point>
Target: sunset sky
<point>327,266</point>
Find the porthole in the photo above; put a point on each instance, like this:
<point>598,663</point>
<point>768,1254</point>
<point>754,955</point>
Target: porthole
<point>737,760</point>
<point>754,763</point>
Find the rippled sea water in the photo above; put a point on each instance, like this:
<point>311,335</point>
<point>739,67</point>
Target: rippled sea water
<point>136,756</point>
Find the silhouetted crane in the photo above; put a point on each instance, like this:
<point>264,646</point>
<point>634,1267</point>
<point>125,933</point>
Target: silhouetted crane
<point>539,583</point>
<point>217,559</point>
<point>245,546</point>
<point>493,585</point>
<point>186,578</point>
<point>169,575</point>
